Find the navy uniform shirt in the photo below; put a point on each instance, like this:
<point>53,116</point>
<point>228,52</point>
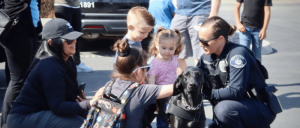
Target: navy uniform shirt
<point>241,69</point>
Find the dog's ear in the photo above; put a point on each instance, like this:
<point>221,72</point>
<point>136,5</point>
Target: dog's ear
<point>178,82</point>
<point>207,87</point>
<point>207,81</point>
<point>177,86</point>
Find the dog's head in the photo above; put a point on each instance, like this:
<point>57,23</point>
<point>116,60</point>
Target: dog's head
<point>190,80</point>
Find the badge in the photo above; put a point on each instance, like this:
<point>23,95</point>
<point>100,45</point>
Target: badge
<point>238,61</point>
<point>222,65</point>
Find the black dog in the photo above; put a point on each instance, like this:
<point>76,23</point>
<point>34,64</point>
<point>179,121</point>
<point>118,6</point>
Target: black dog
<point>187,109</point>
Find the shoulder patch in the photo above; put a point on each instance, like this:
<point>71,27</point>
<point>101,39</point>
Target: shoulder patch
<point>238,61</point>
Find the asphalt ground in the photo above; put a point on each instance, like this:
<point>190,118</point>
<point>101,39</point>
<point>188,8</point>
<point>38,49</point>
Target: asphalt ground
<point>283,64</point>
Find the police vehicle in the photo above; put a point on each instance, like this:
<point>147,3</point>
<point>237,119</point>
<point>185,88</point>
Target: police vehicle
<point>106,18</point>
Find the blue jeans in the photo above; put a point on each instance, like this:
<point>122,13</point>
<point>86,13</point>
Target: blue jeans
<point>251,36</point>
<point>160,123</point>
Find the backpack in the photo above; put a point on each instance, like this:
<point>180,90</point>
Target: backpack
<point>108,111</point>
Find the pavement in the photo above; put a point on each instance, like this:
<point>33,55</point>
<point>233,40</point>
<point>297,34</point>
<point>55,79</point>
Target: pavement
<point>282,64</point>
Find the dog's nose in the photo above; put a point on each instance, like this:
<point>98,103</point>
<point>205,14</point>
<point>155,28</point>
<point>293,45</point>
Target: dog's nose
<point>192,85</point>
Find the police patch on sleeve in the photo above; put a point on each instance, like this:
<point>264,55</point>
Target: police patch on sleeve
<point>238,61</point>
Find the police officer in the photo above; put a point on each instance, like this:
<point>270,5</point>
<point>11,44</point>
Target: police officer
<point>232,72</point>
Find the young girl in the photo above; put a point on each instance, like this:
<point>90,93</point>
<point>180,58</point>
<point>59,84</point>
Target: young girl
<point>166,46</point>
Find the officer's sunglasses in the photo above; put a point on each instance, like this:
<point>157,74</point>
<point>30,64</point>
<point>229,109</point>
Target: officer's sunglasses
<point>205,42</point>
<point>147,67</point>
<point>68,41</point>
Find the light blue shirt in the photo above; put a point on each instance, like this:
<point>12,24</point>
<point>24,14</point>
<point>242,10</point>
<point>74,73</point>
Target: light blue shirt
<point>162,11</point>
<point>193,7</point>
<point>35,13</point>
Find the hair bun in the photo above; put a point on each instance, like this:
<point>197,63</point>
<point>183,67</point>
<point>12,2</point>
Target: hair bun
<point>122,46</point>
<point>159,29</point>
<point>231,30</point>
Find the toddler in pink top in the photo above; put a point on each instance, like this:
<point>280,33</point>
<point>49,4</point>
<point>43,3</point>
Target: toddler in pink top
<point>163,72</point>
<point>166,46</point>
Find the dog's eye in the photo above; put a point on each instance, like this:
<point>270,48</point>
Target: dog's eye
<point>186,75</point>
<point>198,75</point>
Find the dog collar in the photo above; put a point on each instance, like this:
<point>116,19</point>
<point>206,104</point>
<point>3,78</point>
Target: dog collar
<point>192,108</point>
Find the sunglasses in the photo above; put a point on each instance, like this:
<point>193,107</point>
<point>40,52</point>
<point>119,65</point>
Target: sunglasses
<point>68,41</point>
<point>147,68</point>
<point>205,42</point>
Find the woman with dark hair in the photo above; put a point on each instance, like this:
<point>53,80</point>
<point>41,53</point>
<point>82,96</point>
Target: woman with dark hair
<point>70,11</point>
<point>131,66</point>
<point>232,72</point>
<point>49,97</point>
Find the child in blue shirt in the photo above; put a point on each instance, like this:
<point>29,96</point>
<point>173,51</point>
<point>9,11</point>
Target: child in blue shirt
<point>163,12</point>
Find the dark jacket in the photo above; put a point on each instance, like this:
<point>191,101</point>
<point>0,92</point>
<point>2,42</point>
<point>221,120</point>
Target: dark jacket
<point>14,8</point>
<point>49,87</point>
<point>236,75</point>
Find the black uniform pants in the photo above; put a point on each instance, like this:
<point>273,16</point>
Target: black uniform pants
<point>73,16</point>
<point>19,49</point>
<point>246,113</point>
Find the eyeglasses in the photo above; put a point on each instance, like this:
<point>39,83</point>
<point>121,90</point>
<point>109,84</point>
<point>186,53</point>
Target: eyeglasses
<point>147,68</point>
<point>68,41</point>
<point>205,42</point>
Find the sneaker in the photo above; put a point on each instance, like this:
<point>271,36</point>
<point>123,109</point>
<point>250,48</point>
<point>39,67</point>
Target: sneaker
<point>83,68</point>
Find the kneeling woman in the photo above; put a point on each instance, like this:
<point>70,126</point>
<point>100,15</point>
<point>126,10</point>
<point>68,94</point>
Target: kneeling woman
<point>233,71</point>
<point>48,97</point>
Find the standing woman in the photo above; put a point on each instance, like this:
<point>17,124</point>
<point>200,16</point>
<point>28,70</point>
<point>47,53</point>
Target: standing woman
<point>19,46</point>
<point>49,97</point>
<point>234,71</point>
<point>70,11</point>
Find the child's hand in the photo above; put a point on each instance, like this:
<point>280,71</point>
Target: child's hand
<point>241,28</point>
<point>262,34</point>
<point>98,94</point>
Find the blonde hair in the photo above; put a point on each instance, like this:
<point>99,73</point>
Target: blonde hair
<point>166,34</point>
<point>141,15</point>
